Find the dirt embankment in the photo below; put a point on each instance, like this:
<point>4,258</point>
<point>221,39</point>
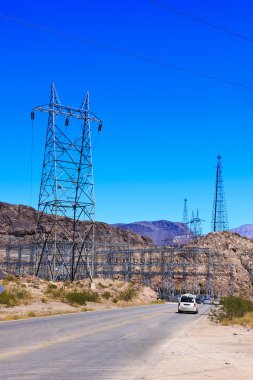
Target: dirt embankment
<point>30,296</point>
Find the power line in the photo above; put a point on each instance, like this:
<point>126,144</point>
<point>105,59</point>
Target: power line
<point>125,52</point>
<point>202,21</point>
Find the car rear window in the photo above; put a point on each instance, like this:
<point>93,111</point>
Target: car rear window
<point>187,299</point>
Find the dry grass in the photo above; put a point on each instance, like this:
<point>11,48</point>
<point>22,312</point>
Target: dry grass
<point>84,309</point>
<point>246,320</point>
<point>157,302</point>
<point>33,314</point>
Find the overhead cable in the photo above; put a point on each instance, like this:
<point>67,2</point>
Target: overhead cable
<point>126,53</point>
<point>202,21</point>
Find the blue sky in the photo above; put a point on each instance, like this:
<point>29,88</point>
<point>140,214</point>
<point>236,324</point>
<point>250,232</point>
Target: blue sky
<point>162,128</point>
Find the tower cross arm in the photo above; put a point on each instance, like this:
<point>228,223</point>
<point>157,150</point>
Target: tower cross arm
<point>67,111</point>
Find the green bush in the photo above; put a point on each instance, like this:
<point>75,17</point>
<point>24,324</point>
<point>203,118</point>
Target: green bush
<point>106,295</point>
<point>233,307</point>
<point>127,295</point>
<point>14,296</point>
<point>31,314</point>
<point>9,278</point>
<point>54,292</point>
<point>7,299</point>
<point>51,288</point>
<point>81,298</point>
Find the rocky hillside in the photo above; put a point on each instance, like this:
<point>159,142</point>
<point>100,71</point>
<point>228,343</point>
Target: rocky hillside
<point>18,225</point>
<point>161,231</point>
<point>230,248</point>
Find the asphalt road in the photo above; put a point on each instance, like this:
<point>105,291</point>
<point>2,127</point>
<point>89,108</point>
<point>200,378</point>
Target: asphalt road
<point>112,344</point>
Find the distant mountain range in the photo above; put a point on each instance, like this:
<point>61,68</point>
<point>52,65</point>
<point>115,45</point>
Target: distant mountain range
<point>164,231</point>
<point>160,231</point>
<point>245,230</point>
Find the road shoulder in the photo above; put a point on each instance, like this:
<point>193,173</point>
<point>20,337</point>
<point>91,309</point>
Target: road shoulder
<point>205,351</point>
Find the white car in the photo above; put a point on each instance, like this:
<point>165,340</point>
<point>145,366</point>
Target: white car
<point>187,303</point>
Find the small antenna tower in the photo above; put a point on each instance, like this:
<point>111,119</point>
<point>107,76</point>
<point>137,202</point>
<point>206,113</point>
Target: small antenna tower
<point>66,246</point>
<point>185,212</point>
<point>219,217</point>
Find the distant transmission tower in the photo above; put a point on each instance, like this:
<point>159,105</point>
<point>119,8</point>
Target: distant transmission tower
<point>196,224</point>
<point>219,217</point>
<point>66,246</point>
<point>185,212</point>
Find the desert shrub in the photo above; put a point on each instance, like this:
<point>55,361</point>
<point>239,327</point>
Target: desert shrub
<point>106,295</point>
<point>115,300</point>
<point>127,295</point>
<point>84,309</point>
<point>101,286</point>
<point>81,298</point>
<point>7,299</point>
<point>157,302</point>
<point>9,278</point>
<point>54,292</point>
<point>51,287</point>
<point>234,307</point>
<point>76,298</point>
<point>14,296</point>
<point>31,314</point>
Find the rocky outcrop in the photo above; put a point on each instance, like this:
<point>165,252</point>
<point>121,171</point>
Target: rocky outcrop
<point>226,242</point>
<point>18,225</point>
<point>228,249</point>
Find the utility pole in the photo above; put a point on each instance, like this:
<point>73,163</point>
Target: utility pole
<point>66,195</point>
<point>219,217</point>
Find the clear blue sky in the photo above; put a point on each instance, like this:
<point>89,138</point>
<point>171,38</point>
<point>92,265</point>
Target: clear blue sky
<point>163,128</point>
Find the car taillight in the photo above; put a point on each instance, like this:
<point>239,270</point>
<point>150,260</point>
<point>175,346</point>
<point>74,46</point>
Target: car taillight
<point>194,305</point>
<point>178,303</point>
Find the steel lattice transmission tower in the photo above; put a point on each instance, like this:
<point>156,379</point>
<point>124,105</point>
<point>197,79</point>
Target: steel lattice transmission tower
<point>195,224</point>
<point>219,217</point>
<point>66,246</point>
<point>185,212</point>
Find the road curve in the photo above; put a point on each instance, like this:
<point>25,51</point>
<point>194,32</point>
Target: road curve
<point>112,344</point>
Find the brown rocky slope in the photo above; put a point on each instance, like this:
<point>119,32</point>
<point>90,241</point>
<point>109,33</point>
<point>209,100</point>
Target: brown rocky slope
<point>230,248</point>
